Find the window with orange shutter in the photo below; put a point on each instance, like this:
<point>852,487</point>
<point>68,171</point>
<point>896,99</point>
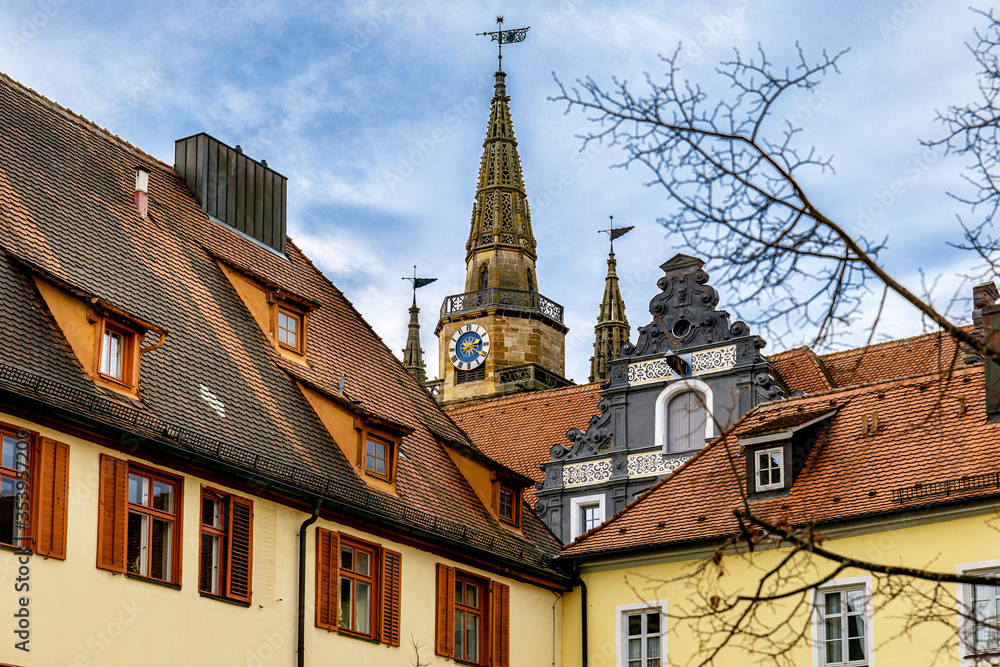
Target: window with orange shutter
<point>357,587</point>
<point>472,618</point>
<point>34,481</point>
<point>226,545</point>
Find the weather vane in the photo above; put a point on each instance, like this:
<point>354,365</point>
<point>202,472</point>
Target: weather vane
<point>502,37</point>
<point>418,283</point>
<point>615,233</point>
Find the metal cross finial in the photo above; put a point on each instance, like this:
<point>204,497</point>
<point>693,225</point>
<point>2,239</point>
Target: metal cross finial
<point>615,233</point>
<point>418,283</point>
<point>502,37</point>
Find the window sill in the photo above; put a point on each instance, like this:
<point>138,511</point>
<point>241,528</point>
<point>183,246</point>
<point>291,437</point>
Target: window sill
<point>165,584</point>
<point>21,551</point>
<point>364,638</point>
<point>213,596</point>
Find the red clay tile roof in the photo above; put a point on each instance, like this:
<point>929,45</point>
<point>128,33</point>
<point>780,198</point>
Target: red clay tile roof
<point>923,423</point>
<point>66,205</point>
<point>519,431</point>
<point>803,370</point>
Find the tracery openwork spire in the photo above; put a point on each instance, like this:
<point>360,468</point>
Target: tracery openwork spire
<point>612,330</point>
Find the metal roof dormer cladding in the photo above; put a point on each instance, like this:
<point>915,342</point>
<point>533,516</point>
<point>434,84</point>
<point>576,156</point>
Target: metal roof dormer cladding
<point>234,189</point>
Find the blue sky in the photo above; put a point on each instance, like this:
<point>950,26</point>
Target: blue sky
<point>376,112</point>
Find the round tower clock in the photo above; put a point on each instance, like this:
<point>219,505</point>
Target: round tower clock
<point>469,347</point>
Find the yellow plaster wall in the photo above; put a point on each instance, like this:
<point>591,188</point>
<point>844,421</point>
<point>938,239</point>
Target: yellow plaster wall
<point>71,315</point>
<point>84,616</point>
<point>479,477</point>
<point>938,546</point>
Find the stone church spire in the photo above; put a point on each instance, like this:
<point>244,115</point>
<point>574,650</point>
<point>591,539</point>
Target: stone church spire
<point>612,330</point>
<point>500,252</point>
<point>413,355</point>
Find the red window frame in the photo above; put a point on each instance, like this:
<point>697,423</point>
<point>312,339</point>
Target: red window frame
<point>290,316</point>
<point>127,353</point>
<point>18,480</point>
<point>234,553</point>
<point>506,509</point>
<point>372,459</point>
<point>463,610</point>
<point>350,578</point>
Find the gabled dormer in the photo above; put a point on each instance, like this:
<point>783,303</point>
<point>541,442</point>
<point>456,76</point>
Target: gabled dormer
<point>776,450</point>
<point>282,315</point>
<point>107,340</point>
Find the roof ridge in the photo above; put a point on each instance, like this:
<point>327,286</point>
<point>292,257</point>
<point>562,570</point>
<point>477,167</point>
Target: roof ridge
<point>883,343</point>
<point>526,396</point>
<point>80,120</point>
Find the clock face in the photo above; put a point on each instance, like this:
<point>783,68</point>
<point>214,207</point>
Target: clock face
<point>469,347</point>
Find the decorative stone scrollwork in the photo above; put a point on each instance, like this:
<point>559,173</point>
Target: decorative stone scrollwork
<point>642,465</point>
<point>719,358</point>
<point>591,472</point>
<point>767,387</point>
<point>684,313</point>
<point>541,508</point>
<point>649,371</point>
<point>586,443</point>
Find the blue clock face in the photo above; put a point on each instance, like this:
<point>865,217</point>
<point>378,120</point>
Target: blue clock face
<point>469,347</point>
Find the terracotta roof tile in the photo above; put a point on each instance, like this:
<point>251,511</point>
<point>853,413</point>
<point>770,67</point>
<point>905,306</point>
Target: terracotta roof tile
<point>520,431</point>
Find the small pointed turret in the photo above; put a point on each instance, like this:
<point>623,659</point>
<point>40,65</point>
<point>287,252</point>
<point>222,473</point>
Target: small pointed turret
<point>612,330</point>
<point>413,355</point>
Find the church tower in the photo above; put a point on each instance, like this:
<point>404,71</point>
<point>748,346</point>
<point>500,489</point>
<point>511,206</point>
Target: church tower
<point>612,330</point>
<point>413,355</point>
<point>501,335</point>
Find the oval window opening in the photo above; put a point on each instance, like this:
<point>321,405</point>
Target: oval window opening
<point>681,328</point>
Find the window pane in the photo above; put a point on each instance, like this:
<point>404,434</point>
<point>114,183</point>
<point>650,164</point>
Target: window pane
<point>686,415</point>
<point>362,606</point>
<point>855,601</point>
<point>459,635</point>
<point>472,596</point>
<point>138,534</point>
<point>111,354</point>
<point>138,490</point>
<point>8,501</point>
<point>634,649</point>
<point>775,459</point>
<point>832,603</point>
<point>855,649</point>
<point>653,623</point>
<point>634,625</point>
<point>855,626</point>
<point>363,564</point>
<point>209,575</point>
<point>834,652</point>
<point>459,591</point>
<point>9,448</point>
<point>380,466</point>
<point>471,637</point>
<point>833,628</point>
<point>210,514</point>
<point>163,496</point>
<point>160,549</point>
<point>347,558</point>
<point>653,647</point>
<point>346,611</point>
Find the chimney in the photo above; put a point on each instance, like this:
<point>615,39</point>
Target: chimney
<point>234,189</point>
<point>986,318</point>
<point>142,191</point>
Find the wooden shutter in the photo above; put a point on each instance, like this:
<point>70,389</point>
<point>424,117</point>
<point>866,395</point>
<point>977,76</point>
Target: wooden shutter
<point>391,576</point>
<point>444,643</point>
<point>112,526</point>
<point>500,620</point>
<point>52,471</point>
<point>240,548</point>
<point>327,577</point>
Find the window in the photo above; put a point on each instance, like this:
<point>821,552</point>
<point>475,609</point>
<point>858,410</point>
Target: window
<point>477,374</point>
<point>768,469</point>
<point>507,502</point>
<point>484,277</point>
<point>357,587</point>
<point>377,457</point>
<point>289,328</point>
<point>117,356</point>
<point>226,545</point>
<point>15,480</point>
<point>34,483</point>
<point>642,634</point>
<point>642,631</point>
<point>586,512</point>
<point>842,633</point>
<point>473,618</point>
<point>978,615</point>
<point>683,416</point>
<point>139,521</point>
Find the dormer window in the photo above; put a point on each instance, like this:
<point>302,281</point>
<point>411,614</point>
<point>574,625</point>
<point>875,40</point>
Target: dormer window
<point>507,502</point>
<point>769,469</point>
<point>506,509</point>
<point>118,356</point>
<point>289,329</point>
<point>378,455</point>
